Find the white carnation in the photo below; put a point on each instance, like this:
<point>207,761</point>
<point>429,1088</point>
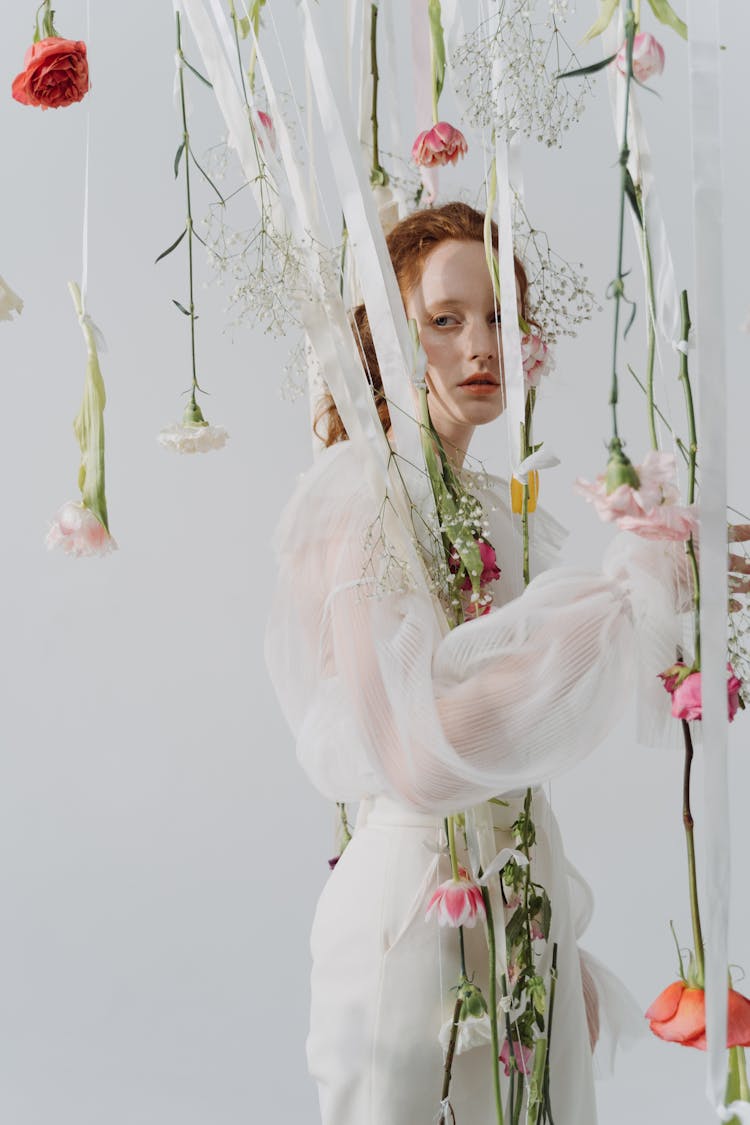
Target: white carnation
<point>193,439</point>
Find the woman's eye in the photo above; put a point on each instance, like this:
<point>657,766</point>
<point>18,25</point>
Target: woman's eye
<point>443,320</point>
<point>495,317</point>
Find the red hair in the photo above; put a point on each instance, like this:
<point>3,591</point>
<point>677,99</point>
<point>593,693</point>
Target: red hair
<point>409,244</point>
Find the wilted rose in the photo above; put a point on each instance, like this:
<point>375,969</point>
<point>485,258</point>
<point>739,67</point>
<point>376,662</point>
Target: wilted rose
<point>679,1015</point>
<point>442,144</point>
<point>55,73</point>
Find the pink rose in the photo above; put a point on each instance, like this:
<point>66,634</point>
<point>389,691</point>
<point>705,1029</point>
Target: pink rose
<point>442,144</point>
<point>686,692</point>
<point>457,902</point>
<point>536,356</point>
<point>78,532</point>
<point>649,510</point>
<point>522,1057</point>
<point>55,73</point>
<point>648,57</point>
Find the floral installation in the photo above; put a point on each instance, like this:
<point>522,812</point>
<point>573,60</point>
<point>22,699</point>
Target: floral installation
<point>457,902</point>
<point>55,70</point>
<point>443,143</point>
<point>10,302</point>
<point>82,528</point>
<point>194,434</point>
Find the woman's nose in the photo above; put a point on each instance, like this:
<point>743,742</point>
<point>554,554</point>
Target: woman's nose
<point>481,340</point>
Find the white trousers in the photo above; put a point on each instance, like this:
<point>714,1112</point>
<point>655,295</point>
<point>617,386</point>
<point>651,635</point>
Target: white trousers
<point>382,979</point>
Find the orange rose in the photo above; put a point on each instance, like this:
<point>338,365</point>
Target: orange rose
<point>678,1015</point>
<point>55,72</point>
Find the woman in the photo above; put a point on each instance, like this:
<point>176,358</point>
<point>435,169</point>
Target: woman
<point>416,723</point>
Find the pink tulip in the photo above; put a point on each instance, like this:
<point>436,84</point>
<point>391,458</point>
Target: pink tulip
<point>536,356</point>
<point>686,692</point>
<point>648,57</point>
<point>78,532</point>
<point>442,144</point>
<point>522,1056</point>
<point>457,902</point>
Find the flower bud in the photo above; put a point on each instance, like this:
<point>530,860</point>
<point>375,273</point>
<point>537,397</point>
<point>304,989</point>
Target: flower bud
<point>620,469</point>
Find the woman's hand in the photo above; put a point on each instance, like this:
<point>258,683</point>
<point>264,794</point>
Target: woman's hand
<point>739,565</point>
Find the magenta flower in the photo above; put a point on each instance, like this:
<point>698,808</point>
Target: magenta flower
<point>649,510</point>
<point>522,1056</point>
<point>536,356</point>
<point>685,688</point>
<point>78,532</point>
<point>442,144</point>
<point>457,902</point>
<point>648,57</point>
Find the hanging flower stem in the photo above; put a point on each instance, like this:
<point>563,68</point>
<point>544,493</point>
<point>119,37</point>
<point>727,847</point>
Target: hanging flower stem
<point>378,175</point>
<point>189,222</point>
<point>448,1067</point>
<point>48,26</point>
<point>618,285</point>
<point>492,1005</point>
<point>684,378</point>
<point>687,820</point>
<point>651,313</point>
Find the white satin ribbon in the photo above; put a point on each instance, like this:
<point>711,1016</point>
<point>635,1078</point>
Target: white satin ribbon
<point>500,861</point>
<point>708,316</point>
<point>542,459</point>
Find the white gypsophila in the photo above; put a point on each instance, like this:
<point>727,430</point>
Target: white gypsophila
<point>474,1031</point>
<point>184,438</point>
<point>10,302</point>
<point>531,53</point>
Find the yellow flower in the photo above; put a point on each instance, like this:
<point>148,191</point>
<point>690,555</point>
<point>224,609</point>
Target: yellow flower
<point>516,492</point>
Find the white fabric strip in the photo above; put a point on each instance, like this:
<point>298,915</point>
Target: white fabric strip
<point>705,124</point>
<point>380,289</point>
<point>515,394</point>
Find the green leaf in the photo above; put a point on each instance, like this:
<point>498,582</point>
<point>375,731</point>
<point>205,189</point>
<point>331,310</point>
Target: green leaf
<point>438,44</point>
<point>206,177</point>
<point>197,73</point>
<point>632,193</point>
<point>592,69</point>
<point>608,9</point>
<point>174,246</point>
<point>665,13</point>
<point>177,158</point>
<point>181,307</point>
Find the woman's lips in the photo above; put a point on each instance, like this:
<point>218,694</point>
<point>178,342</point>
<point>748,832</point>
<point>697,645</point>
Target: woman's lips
<point>479,385</point>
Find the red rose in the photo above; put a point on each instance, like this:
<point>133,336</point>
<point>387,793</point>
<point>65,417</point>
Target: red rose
<point>55,72</point>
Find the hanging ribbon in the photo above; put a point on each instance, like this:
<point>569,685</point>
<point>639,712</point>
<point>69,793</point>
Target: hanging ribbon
<point>706,153</point>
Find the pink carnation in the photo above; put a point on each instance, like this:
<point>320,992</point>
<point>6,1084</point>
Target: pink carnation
<point>649,510</point>
<point>648,57</point>
<point>522,1056</point>
<point>686,692</point>
<point>78,532</point>
<point>536,356</point>
<point>457,902</point>
<point>442,144</point>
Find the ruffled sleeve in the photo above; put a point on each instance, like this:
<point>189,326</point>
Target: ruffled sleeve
<point>440,720</point>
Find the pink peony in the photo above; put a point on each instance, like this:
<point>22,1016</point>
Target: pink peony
<point>649,510</point>
<point>457,902</point>
<point>648,57</point>
<point>522,1056</point>
<point>78,532</point>
<point>442,144</point>
<point>536,356</point>
<point>686,692</point>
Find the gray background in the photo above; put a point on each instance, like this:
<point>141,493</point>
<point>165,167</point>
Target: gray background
<point>160,851</point>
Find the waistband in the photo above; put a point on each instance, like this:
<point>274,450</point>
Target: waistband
<point>381,811</point>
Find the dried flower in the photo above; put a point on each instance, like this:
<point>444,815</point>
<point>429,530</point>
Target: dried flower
<point>457,902</point>
<point>442,144</point>
<point>78,532</point>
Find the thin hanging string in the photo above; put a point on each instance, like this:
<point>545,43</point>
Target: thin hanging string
<point>85,234</point>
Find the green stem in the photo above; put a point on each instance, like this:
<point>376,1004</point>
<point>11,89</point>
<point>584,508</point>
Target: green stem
<point>552,983</point>
<point>345,831</point>
<point>651,307</point>
<point>742,1070</point>
<point>433,80</point>
<point>684,377</point>
<point>619,283</point>
<point>451,1050</point>
<point>186,141</point>
<point>235,26</point>
<point>493,1006</point>
<point>377,173</point>
<point>687,820</point>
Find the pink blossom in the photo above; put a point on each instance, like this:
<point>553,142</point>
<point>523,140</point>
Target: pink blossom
<point>648,57</point>
<point>649,510</point>
<point>522,1055</point>
<point>536,356</point>
<point>442,144</point>
<point>268,130</point>
<point>535,929</point>
<point>687,695</point>
<point>78,532</point>
<point>457,902</point>
<point>490,569</point>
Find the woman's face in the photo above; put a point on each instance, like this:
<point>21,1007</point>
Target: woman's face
<point>459,326</point>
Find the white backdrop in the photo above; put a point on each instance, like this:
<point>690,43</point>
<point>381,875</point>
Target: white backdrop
<point>160,851</point>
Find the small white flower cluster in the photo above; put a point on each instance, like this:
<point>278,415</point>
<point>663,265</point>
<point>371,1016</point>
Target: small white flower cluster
<point>184,438</point>
<point>559,299</point>
<point>531,53</point>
